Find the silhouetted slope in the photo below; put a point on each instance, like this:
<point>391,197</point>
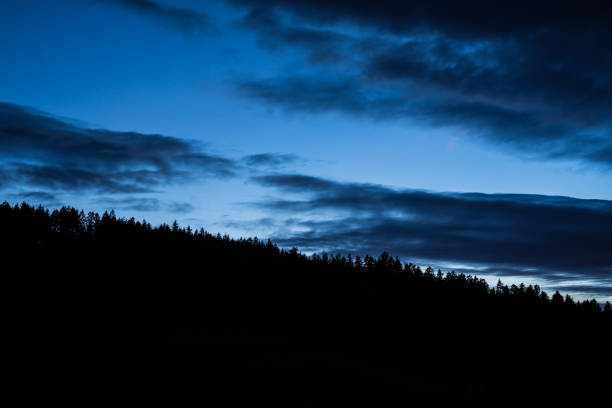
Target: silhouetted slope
<point>261,323</point>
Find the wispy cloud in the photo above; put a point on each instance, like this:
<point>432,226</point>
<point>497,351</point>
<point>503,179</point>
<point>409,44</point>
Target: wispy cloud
<point>41,151</point>
<point>140,204</point>
<point>272,160</point>
<point>537,87</point>
<point>36,197</point>
<point>147,204</point>
<point>543,236</point>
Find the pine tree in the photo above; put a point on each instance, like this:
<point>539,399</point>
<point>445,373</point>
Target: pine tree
<point>557,299</point>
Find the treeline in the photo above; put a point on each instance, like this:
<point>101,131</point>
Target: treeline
<point>39,228</point>
<point>338,325</point>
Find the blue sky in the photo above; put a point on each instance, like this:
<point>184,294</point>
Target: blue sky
<point>370,102</point>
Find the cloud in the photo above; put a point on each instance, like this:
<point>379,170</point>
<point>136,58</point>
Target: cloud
<point>533,79</point>
<point>250,225</point>
<point>186,21</point>
<point>545,236</point>
<point>37,197</point>
<point>588,289</point>
<point>41,151</point>
<point>147,204</point>
<point>72,179</point>
<point>271,160</point>
<point>516,130</point>
<point>478,19</point>
<point>323,46</point>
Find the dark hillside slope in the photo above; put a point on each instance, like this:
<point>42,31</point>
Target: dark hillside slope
<point>241,321</point>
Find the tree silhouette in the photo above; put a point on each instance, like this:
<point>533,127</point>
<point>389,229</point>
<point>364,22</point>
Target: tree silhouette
<point>90,276</point>
<point>557,299</point>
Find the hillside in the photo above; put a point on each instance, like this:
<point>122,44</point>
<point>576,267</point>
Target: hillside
<point>258,323</point>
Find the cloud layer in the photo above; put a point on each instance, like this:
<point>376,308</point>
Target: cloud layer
<point>556,238</point>
<point>518,234</point>
<point>533,80</point>
<point>43,157</point>
<point>41,151</point>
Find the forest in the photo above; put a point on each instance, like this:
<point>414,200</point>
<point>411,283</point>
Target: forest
<point>249,322</point>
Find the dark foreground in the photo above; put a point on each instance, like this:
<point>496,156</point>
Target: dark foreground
<point>103,309</point>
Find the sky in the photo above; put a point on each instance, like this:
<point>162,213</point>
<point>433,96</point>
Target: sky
<point>466,136</point>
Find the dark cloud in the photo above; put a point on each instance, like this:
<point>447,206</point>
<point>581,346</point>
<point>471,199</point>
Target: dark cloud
<point>535,79</point>
<point>271,160</point>
<point>37,197</point>
<point>476,19</point>
<point>517,130</point>
<point>186,21</point>
<point>545,236</point>
<point>587,289</point>
<point>567,69</point>
<point>71,179</point>
<point>323,46</point>
<point>42,151</point>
